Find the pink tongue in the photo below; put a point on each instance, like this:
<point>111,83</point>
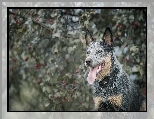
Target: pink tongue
<point>92,75</point>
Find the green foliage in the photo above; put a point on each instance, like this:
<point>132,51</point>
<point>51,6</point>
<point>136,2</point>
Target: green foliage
<point>47,53</point>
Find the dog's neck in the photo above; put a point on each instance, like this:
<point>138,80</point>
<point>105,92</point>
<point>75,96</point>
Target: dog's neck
<point>114,69</point>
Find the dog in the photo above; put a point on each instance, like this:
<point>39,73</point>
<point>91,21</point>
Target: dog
<point>112,89</point>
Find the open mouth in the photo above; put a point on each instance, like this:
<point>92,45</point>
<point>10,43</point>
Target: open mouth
<point>94,72</point>
<point>100,68</point>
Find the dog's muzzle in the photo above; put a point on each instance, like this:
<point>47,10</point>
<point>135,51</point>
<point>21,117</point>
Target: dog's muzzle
<point>88,62</point>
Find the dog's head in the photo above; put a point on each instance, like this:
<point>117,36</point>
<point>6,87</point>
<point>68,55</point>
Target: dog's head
<point>99,55</point>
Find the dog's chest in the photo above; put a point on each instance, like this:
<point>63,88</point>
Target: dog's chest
<point>103,88</point>
<point>110,85</point>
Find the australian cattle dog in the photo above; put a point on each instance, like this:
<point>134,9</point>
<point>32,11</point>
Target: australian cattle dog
<point>112,88</point>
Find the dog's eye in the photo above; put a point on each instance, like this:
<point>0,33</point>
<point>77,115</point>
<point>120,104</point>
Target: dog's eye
<point>88,52</point>
<point>99,51</point>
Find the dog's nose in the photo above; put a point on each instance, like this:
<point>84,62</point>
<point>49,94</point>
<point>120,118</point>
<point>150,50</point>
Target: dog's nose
<point>88,61</point>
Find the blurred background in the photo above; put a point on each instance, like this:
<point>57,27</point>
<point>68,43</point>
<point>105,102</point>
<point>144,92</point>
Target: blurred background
<point>47,50</point>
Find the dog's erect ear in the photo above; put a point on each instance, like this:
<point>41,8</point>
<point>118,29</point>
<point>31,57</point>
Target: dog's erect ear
<point>88,37</point>
<point>107,36</point>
